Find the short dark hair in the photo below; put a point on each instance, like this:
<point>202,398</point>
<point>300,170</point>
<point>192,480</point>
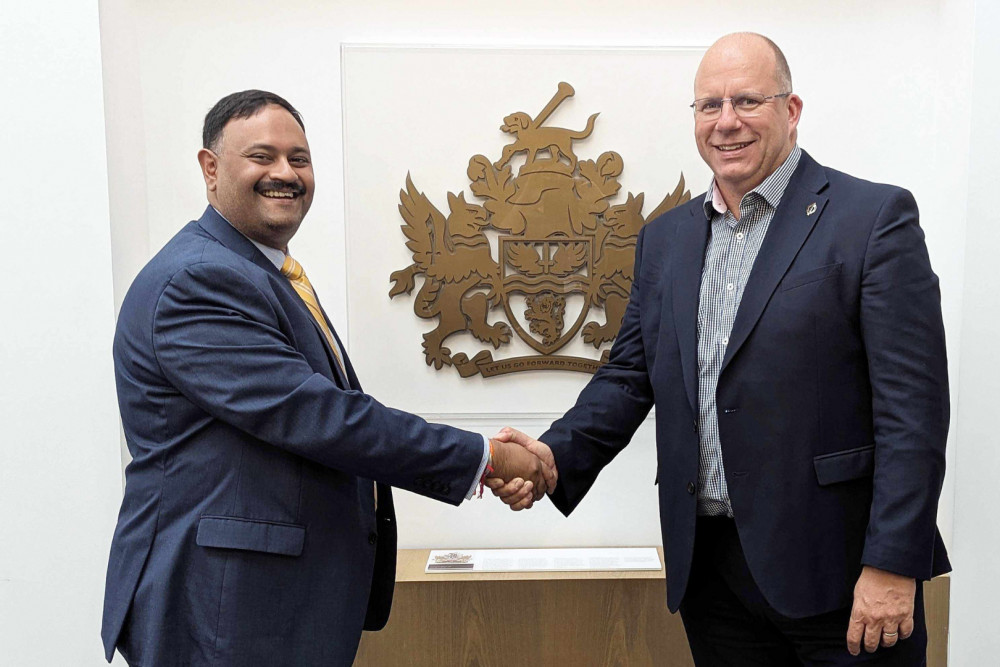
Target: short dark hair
<point>240,105</point>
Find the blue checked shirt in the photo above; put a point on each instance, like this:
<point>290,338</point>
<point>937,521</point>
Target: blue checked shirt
<point>732,249</point>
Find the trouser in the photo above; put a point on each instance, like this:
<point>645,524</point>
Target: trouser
<point>730,624</point>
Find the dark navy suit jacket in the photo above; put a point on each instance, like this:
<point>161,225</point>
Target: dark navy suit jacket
<point>832,398</point>
<point>248,533</point>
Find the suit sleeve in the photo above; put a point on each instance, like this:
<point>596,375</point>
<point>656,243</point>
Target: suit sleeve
<point>217,339</point>
<point>608,411</point>
<point>904,341</point>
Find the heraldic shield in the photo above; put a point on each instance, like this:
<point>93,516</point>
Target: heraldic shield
<point>564,253</point>
<point>543,275</point>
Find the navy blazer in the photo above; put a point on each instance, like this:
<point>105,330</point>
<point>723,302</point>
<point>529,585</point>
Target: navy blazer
<point>832,397</point>
<point>248,533</point>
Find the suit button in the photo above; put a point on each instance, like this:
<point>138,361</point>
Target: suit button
<point>694,426</point>
<point>372,538</point>
<point>691,488</point>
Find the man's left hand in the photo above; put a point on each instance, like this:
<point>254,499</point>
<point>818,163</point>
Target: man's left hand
<point>883,610</point>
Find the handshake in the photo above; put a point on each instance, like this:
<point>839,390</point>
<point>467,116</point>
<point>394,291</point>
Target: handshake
<point>521,470</point>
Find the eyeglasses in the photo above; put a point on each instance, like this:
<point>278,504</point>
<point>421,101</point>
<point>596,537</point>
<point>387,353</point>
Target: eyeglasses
<point>746,105</point>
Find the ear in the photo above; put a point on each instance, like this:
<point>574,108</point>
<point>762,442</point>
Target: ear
<point>209,162</point>
<point>794,112</point>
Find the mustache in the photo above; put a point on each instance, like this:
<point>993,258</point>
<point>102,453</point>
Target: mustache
<point>295,188</point>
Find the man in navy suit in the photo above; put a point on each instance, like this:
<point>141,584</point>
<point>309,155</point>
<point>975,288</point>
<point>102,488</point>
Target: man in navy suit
<point>787,329</point>
<point>257,526</point>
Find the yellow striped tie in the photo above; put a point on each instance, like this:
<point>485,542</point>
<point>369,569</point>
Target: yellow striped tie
<point>297,276</point>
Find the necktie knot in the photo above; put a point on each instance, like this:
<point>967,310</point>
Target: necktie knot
<point>292,269</point>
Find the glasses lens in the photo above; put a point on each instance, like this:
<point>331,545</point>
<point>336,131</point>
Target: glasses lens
<point>709,106</point>
<point>748,104</point>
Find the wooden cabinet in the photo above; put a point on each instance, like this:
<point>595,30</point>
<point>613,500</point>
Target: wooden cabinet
<point>551,618</point>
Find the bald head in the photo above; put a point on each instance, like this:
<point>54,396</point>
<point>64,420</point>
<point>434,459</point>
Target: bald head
<point>750,46</point>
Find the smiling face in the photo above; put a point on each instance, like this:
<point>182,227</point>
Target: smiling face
<point>742,152</point>
<point>260,176</point>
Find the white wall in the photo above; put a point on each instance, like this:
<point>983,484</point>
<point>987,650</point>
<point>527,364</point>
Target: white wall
<point>975,584</point>
<point>886,90</point>
<point>59,466</point>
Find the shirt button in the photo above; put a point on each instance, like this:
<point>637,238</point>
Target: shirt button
<point>739,236</point>
<point>691,488</point>
<point>372,538</point>
<point>725,341</point>
<point>729,287</point>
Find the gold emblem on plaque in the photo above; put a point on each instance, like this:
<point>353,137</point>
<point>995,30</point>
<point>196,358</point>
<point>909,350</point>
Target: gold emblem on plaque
<point>564,251</point>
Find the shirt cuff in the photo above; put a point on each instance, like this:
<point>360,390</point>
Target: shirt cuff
<point>482,468</point>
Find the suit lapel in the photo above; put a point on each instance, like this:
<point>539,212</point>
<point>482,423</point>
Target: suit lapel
<point>229,236</point>
<point>800,209</point>
<point>351,380</point>
<point>352,377</point>
<point>331,358</point>
<point>689,253</point>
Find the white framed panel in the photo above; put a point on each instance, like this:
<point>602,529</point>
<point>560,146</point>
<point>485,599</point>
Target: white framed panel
<point>424,112</point>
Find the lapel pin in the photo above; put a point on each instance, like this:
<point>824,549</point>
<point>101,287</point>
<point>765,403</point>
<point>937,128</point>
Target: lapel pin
<point>811,208</point>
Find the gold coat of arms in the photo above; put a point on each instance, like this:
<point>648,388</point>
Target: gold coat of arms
<point>563,252</point>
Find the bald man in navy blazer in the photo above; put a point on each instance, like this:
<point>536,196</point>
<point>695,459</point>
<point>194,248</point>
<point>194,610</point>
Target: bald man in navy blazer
<point>787,329</point>
<point>251,532</point>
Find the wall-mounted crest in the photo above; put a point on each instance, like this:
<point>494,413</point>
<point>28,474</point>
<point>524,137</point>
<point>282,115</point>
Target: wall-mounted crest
<point>564,252</point>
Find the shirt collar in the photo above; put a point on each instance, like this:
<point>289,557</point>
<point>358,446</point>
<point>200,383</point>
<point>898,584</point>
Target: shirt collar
<point>771,189</point>
<point>275,256</point>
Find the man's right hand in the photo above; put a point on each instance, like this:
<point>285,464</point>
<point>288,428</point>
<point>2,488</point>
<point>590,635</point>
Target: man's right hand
<point>515,492</point>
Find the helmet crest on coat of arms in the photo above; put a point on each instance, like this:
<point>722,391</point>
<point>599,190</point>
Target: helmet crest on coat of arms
<point>563,251</point>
